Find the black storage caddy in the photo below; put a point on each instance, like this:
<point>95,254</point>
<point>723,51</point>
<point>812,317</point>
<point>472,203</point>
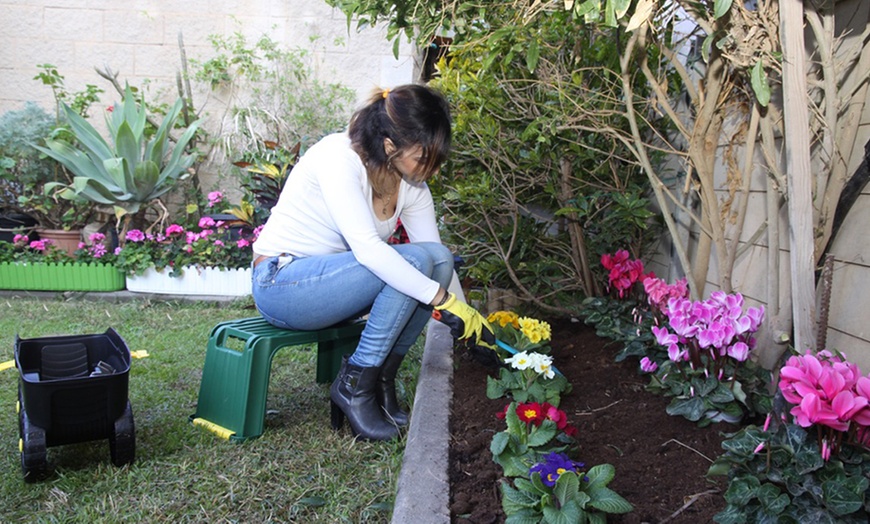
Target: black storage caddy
<point>73,388</point>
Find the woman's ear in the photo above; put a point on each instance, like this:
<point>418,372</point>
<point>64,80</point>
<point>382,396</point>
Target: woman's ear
<point>389,147</point>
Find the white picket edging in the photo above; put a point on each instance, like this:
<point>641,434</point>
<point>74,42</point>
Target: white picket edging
<point>194,281</point>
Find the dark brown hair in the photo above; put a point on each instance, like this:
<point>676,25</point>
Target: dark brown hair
<point>408,115</point>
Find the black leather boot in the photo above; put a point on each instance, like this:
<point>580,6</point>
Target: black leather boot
<point>353,396</point>
<point>385,391</point>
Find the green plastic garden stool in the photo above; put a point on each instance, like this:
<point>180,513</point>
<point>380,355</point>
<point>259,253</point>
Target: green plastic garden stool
<point>238,360</point>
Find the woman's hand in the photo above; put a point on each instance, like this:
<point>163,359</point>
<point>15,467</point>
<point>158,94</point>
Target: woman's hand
<point>465,322</point>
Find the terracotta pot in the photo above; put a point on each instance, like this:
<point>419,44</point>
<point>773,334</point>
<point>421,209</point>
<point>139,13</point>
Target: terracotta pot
<point>66,240</point>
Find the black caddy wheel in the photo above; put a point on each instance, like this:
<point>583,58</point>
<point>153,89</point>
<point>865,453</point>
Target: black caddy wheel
<point>122,443</point>
<point>34,453</point>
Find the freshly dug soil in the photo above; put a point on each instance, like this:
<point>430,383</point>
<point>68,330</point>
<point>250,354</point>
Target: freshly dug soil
<point>660,460</point>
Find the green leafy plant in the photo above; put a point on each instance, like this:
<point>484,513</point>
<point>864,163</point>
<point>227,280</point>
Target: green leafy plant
<point>780,476</point>
<point>814,464</point>
<point>531,376</point>
<point>131,171</point>
<point>520,333</point>
<point>533,430</point>
<point>283,102</point>
<point>558,490</point>
<point>79,101</point>
<point>263,181</point>
<point>22,169</point>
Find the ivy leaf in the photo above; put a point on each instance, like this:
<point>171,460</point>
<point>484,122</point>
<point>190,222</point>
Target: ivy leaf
<point>499,443</point>
<point>600,476</point>
<point>720,7</point>
<point>620,7</point>
<point>760,86</point>
<point>566,488</point>
<point>513,499</point>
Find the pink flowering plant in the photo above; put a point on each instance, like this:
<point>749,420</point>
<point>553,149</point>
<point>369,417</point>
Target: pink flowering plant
<point>211,244</point>
<point>623,314</point>
<point>708,370</point>
<point>23,249</point>
<point>812,462</point>
<point>625,275</point>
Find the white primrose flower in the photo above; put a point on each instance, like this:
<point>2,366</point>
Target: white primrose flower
<point>520,361</point>
<point>542,364</point>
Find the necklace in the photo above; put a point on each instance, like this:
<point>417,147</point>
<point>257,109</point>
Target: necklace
<point>387,198</point>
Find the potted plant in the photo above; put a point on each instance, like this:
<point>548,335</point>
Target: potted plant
<point>207,260</point>
<point>132,170</point>
<point>24,173</point>
<point>40,265</point>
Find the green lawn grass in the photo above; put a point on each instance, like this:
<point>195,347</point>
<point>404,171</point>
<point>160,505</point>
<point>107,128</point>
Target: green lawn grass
<point>298,471</point>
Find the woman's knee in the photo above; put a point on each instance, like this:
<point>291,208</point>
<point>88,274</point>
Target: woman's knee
<point>427,257</point>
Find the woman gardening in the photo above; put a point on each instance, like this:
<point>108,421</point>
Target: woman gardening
<point>322,257</point>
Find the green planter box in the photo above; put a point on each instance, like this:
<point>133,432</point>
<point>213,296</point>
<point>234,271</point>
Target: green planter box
<point>61,277</point>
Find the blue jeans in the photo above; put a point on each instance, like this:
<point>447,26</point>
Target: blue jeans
<point>312,293</point>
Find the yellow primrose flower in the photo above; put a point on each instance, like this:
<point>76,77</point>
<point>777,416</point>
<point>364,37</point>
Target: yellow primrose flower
<point>504,318</point>
<point>535,330</point>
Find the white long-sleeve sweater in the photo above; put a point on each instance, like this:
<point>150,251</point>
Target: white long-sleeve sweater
<point>326,207</point>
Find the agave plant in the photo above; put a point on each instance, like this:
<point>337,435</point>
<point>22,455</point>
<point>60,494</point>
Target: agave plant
<point>134,169</point>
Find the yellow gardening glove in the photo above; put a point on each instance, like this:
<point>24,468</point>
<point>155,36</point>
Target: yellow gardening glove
<point>465,322</point>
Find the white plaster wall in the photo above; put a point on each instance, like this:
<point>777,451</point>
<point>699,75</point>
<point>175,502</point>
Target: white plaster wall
<point>139,39</point>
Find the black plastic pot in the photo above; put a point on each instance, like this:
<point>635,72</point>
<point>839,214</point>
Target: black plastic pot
<point>12,224</point>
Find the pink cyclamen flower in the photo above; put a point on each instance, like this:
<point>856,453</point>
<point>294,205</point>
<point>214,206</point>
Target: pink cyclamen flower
<point>739,351</point>
<point>174,229</point>
<point>242,243</point>
<point>206,222</point>
<point>20,239</point>
<point>39,245</point>
<point>647,365</point>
